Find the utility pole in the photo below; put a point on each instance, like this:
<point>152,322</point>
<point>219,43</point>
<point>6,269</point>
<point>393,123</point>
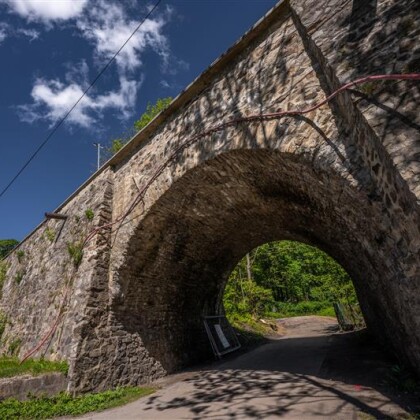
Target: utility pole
<point>99,147</point>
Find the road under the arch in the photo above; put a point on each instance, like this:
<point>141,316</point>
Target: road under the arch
<point>310,372</point>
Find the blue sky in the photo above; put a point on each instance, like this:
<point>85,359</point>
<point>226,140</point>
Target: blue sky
<point>51,49</point>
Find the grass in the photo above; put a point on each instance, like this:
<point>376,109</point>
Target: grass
<point>75,250</point>
<point>65,405</point>
<point>247,323</point>
<point>287,309</point>
<point>252,331</point>
<point>10,366</point>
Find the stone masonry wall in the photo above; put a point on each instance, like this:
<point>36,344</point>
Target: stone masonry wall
<point>44,282</point>
<point>181,242</point>
<point>343,177</point>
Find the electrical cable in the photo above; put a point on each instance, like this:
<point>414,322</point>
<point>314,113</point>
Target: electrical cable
<point>61,121</point>
<point>216,128</point>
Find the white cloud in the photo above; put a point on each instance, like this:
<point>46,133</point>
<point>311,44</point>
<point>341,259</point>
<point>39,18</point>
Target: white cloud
<point>107,27</point>
<point>77,73</point>
<point>47,10</point>
<point>3,31</point>
<point>165,84</point>
<point>7,31</point>
<point>53,99</point>
<point>32,34</point>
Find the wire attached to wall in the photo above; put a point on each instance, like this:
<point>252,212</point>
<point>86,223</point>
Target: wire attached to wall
<point>61,121</point>
<point>216,128</point>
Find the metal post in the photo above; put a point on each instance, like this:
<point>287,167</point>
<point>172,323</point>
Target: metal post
<point>99,147</point>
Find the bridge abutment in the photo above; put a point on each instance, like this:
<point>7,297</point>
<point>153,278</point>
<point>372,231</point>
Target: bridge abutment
<point>343,177</point>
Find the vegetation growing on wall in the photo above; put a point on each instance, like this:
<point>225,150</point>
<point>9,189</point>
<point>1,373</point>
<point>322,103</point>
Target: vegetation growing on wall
<point>19,276</point>
<point>14,347</point>
<point>287,278</point>
<point>89,214</point>
<point>75,250</point>
<point>20,254</point>
<point>4,266</point>
<point>3,323</point>
<point>49,234</point>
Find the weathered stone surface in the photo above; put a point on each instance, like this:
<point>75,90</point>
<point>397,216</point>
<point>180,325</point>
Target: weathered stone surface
<point>344,178</point>
<point>21,387</point>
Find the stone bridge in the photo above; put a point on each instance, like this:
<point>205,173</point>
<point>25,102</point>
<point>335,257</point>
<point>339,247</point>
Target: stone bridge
<point>120,290</point>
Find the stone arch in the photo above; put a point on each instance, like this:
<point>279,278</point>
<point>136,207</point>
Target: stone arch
<point>179,254</point>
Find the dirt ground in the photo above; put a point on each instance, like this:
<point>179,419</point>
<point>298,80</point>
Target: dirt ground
<point>309,371</point>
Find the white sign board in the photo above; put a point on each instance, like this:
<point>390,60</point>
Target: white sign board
<point>221,336</point>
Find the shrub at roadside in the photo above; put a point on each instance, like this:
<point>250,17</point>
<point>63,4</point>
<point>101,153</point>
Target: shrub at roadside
<point>65,405</point>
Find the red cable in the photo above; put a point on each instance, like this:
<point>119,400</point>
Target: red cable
<point>214,129</point>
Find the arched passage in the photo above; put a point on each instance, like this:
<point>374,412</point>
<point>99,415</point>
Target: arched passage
<point>181,254</point>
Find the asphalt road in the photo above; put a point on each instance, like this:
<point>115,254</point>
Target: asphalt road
<point>309,373</point>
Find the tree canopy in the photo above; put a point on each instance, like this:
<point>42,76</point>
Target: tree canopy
<point>6,245</point>
<point>287,276</point>
<point>151,111</point>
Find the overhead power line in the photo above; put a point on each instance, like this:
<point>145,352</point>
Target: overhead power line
<point>61,121</point>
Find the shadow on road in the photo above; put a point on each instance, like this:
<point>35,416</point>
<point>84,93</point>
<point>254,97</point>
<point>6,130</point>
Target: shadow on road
<point>334,376</point>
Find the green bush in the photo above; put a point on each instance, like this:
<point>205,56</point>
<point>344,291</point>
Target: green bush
<point>65,405</point>
<point>89,214</point>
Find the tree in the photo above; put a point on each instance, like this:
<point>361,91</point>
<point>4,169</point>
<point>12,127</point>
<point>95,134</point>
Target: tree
<point>287,274</point>
<point>150,113</point>
<point>6,245</point>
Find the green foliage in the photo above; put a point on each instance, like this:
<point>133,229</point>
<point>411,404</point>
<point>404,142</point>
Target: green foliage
<point>6,245</point>
<point>65,405</point>
<point>89,214</point>
<point>49,234</point>
<point>289,309</point>
<point>14,346</point>
<point>4,266</point>
<point>75,250</point>
<point>19,276</point>
<point>288,279</point>
<point>20,254</point>
<point>151,112</point>
<point>3,323</point>
<point>11,366</point>
<point>117,145</point>
<point>244,296</point>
